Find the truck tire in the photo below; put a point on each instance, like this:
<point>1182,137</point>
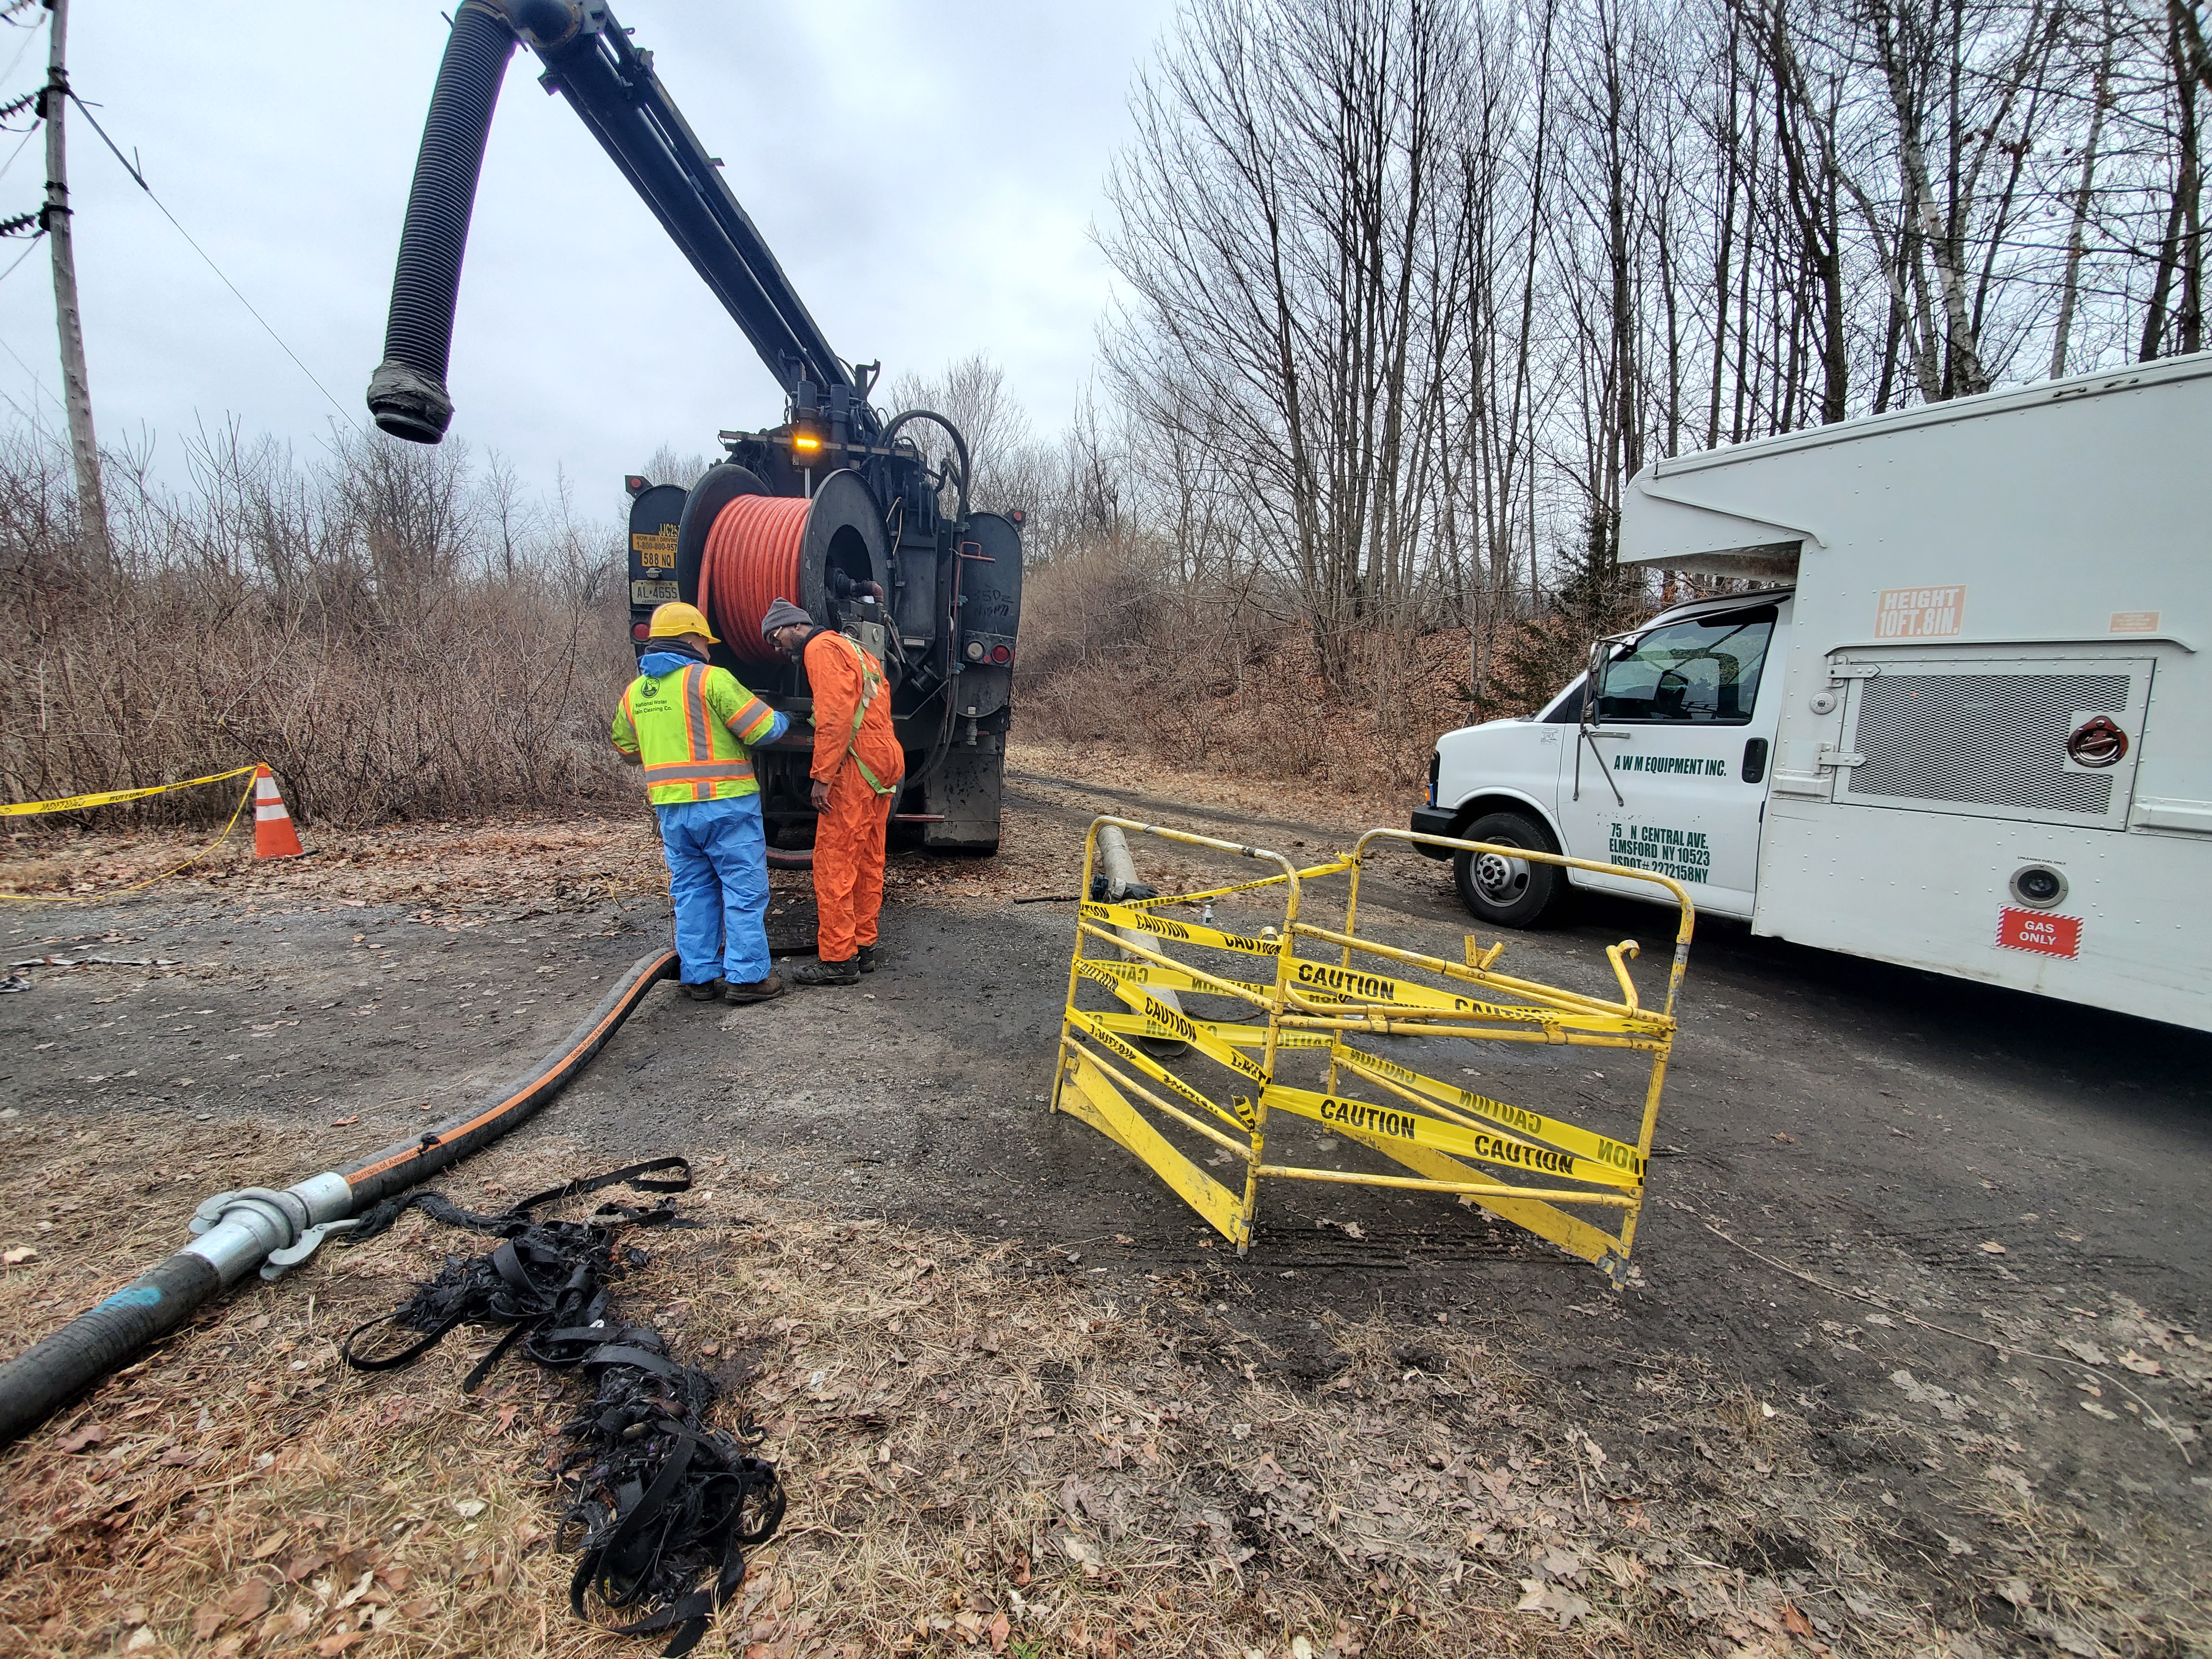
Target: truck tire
<point>1509,892</point>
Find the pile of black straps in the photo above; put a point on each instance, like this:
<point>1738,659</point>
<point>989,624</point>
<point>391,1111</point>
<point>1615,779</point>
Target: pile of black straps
<point>663,1501</point>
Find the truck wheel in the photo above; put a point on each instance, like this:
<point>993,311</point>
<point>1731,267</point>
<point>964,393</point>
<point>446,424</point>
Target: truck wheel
<point>1508,893</point>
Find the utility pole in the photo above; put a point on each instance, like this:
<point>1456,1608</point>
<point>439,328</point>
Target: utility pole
<point>76,389</point>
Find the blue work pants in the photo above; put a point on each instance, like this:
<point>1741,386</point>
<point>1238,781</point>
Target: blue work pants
<point>717,854</point>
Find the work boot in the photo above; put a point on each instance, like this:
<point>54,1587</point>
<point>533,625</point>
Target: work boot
<point>827,973</point>
<point>759,990</point>
<point>705,990</point>
<point>867,958</point>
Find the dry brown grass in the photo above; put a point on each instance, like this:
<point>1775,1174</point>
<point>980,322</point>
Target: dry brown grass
<point>392,630</point>
<point>992,1447</point>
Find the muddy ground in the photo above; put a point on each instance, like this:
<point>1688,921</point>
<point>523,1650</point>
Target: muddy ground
<point>1916,1357</point>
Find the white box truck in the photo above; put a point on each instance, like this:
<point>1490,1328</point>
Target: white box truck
<point>1966,725</point>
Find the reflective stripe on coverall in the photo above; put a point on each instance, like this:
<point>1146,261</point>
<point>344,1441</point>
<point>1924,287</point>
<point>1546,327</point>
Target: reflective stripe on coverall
<point>854,742</point>
<point>689,725</point>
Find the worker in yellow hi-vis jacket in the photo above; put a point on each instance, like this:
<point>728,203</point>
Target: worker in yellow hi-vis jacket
<point>689,725</point>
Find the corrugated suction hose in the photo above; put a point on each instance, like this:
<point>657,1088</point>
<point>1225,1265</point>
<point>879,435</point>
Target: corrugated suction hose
<point>752,559</point>
<point>244,1229</point>
<point>407,394</point>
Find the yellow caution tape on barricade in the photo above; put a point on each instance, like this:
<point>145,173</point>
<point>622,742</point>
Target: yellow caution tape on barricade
<point>1111,974</point>
<point>1229,1031</point>
<point>1094,1099</point>
<point>1601,1149</point>
<point>1325,984</point>
<point>1211,893</point>
<point>1479,1145</point>
<point>1098,1028</point>
<point>1188,932</point>
<point>111,797</point>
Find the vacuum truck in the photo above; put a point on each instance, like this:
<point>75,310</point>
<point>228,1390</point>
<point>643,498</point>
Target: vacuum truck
<point>863,519</point>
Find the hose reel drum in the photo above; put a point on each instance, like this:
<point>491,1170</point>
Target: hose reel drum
<point>738,547</point>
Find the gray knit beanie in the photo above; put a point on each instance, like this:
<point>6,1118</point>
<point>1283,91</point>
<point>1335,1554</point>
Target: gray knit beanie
<point>782,613</point>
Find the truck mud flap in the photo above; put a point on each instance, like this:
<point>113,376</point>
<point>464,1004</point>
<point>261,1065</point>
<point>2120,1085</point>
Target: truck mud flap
<point>963,795</point>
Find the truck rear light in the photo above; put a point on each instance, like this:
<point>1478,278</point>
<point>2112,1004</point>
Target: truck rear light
<point>975,651</point>
<point>1001,654</point>
<point>641,630</point>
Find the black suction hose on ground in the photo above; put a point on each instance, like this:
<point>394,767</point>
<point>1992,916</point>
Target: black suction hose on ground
<point>407,394</point>
<point>243,1230</point>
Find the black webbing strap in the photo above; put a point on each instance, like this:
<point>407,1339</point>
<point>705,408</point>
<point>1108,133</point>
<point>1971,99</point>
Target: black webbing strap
<point>661,1499</point>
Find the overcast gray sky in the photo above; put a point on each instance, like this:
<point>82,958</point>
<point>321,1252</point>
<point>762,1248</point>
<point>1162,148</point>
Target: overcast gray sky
<point>927,175</point>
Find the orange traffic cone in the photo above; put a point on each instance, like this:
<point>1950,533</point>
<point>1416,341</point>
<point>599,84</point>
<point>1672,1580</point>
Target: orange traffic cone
<point>274,837</point>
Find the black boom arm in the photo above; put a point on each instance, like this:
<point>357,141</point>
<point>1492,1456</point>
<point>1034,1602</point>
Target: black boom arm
<point>610,83</point>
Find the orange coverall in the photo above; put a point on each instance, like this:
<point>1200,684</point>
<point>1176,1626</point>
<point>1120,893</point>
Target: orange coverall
<point>848,838</point>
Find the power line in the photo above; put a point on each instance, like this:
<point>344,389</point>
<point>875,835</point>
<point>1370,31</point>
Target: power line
<point>19,259</point>
<point>35,381</point>
<point>18,150</point>
<point>139,177</point>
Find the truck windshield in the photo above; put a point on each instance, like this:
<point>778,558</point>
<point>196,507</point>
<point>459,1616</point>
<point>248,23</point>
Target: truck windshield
<point>1704,671</point>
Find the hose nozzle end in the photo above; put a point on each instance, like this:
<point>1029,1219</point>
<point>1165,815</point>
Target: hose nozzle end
<point>408,403</point>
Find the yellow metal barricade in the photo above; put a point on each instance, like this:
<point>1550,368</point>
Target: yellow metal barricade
<point>1581,1190</point>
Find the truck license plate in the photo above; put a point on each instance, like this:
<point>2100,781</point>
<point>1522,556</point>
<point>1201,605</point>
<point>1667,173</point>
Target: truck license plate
<point>654,593</point>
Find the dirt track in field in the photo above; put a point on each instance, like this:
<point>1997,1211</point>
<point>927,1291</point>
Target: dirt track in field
<point>1916,1357</point>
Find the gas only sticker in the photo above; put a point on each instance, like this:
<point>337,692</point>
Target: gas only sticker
<point>1682,854</point>
<point>2038,932</point>
<point>1920,613</point>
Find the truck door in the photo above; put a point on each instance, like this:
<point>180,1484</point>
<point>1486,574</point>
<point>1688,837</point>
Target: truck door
<point>1673,772</point>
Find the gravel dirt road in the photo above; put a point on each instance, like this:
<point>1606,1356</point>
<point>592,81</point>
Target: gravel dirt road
<point>1918,1337</point>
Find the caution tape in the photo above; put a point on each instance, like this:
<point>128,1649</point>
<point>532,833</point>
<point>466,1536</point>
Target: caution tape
<point>1229,1031</point>
<point>244,796</point>
<point>1111,974</point>
<point>1098,1028</point>
<point>111,797</point>
<point>1482,1147</point>
<point>1187,933</point>
<point>1601,1149</point>
<point>1213,893</point>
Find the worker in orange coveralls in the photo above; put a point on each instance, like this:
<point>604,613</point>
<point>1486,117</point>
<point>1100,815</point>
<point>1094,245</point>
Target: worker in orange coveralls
<point>857,764</point>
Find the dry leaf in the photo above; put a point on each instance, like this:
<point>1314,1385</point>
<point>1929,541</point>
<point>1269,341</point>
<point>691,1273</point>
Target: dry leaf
<point>1992,1247</point>
<point>21,1253</point>
<point>207,1621</point>
<point>331,1646</point>
<point>468,1508</point>
<point>249,1601</point>
<point>90,1435</point>
<point>1564,1605</point>
<point>2139,1365</point>
<point>1795,1622</point>
<point>997,1632</point>
<point>343,1122</point>
<point>269,1546</point>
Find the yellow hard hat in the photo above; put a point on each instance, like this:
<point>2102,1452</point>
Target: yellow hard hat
<point>671,621</point>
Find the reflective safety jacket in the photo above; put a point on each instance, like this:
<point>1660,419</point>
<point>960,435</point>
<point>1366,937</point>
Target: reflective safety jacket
<point>690,725</point>
<point>852,712</point>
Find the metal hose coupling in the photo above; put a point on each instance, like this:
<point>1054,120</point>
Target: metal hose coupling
<point>280,1231</point>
